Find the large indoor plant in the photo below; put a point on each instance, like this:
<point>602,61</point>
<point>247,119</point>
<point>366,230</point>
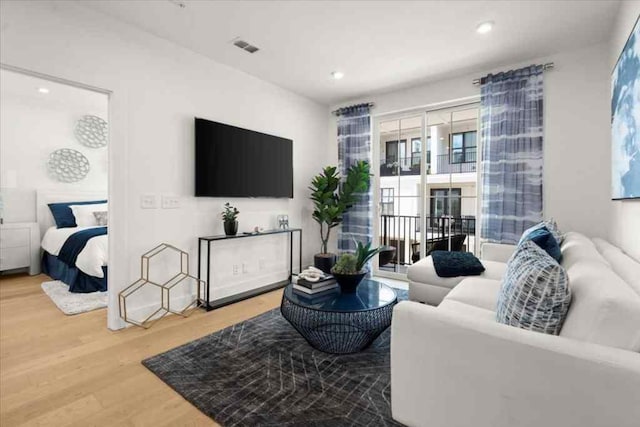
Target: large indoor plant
<point>331,199</point>
<point>350,268</point>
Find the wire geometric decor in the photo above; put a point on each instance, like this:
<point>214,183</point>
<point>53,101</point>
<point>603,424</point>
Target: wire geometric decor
<point>68,165</point>
<point>164,301</point>
<point>92,131</point>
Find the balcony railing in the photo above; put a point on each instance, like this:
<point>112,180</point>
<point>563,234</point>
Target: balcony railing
<point>404,166</point>
<point>442,233</point>
<point>456,163</point>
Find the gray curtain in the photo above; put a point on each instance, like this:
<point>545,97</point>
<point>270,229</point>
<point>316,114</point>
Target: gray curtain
<point>354,144</point>
<point>512,157</point>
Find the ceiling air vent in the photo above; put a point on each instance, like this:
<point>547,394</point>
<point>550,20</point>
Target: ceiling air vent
<point>244,45</point>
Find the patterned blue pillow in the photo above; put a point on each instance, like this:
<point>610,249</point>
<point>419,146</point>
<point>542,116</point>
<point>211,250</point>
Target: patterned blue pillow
<point>550,225</point>
<point>543,238</point>
<point>535,292</point>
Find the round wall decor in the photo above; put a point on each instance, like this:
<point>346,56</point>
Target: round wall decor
<point>92,131</point>
<point>68,165</point>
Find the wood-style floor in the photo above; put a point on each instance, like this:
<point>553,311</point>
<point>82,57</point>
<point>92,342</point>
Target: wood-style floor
<point>58,370</point>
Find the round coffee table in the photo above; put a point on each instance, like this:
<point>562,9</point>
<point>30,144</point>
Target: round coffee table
<point>340,323</point>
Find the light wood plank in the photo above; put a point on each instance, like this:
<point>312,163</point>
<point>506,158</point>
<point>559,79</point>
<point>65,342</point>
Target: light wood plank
<point>71,370</point>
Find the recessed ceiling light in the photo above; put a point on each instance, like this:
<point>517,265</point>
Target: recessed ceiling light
<point>43,90</point>
<point>484,27</point>
<point>337,75</point>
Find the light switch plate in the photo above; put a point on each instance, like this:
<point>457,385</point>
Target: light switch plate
<point>170,202</point>
<point>149,201</point>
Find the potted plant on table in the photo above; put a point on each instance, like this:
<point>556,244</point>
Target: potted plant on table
<point>230,219</point>
<point>350,268</point>
<point>331,199</point>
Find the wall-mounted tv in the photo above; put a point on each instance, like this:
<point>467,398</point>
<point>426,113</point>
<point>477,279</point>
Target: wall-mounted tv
<point>236,162</point>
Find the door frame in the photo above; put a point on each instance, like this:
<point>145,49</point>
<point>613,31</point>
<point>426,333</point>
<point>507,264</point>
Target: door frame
<point>375,152</point>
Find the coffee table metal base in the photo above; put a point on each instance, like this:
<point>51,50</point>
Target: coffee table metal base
<point>337,332</point>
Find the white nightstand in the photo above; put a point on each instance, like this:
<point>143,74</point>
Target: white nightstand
<point>20,246</point>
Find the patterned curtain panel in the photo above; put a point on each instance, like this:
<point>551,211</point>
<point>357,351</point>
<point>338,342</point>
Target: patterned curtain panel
<point>511,131</point>
<point>354,144</point>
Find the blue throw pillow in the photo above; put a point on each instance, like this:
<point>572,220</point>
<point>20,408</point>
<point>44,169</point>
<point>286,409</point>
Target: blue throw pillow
<point>544,238</point>
<point>62,214</point>
<point>535,291</point>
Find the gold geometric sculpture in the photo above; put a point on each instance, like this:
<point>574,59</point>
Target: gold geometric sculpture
<point>164,280</point>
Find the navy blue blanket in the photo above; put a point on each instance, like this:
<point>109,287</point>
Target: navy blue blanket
<point>76,243</point>
<point>453,264</point>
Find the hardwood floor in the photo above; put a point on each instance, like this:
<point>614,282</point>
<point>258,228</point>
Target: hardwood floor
<point>58,370</point>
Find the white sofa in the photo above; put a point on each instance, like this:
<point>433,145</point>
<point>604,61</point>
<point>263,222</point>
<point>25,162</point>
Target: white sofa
<point>454,365</point>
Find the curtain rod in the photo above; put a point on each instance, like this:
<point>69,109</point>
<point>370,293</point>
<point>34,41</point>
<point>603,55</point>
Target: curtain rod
<point>368,104</point>
<point>545,67</point>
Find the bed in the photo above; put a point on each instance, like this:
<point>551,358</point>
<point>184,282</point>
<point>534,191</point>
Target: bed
<point>76,255</point>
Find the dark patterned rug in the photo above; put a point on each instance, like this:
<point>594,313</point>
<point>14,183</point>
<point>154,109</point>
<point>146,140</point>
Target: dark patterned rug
<point>261,372</point>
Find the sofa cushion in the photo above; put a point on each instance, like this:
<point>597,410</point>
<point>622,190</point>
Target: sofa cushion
<point>622,264</point>
<point>605,309</point>
<point>550,225</point>
<point>543,238</point>
<point>461,309</point>
<point>578,248</point>
<point>535,291</point>
<point>478,292</point>
<point>424,272</point>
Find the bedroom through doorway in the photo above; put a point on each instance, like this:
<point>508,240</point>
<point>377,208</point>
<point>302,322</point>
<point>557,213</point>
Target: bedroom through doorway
<point>54,179</point>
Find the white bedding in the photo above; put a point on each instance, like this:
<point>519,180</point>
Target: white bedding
<point>92,258</point>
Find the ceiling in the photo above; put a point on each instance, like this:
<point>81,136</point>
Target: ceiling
<point>379,45</point>
<point>25,88</point>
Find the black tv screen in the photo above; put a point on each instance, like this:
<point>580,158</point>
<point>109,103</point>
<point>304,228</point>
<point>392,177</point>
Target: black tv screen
<point>236,162</point>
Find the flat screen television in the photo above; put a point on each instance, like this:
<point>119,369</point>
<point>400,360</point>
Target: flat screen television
<point>236,162</point>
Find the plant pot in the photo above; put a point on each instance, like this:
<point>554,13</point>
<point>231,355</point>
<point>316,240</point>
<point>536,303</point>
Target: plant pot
<point>230,228</point>
<point>324,262</point>
<point>349,282</point>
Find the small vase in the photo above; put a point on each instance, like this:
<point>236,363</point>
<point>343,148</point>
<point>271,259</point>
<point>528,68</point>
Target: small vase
<point>324,262</point>
<point>349,282</point>
<point>230,228</point>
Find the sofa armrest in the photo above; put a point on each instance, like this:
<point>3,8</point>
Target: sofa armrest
<point>452,370</point>
<point>496,252</point>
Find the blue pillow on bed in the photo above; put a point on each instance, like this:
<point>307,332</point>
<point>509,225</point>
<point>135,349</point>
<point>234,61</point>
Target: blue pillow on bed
<point>63,215</point>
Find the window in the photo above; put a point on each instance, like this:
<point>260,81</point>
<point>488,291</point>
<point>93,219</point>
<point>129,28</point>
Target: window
<point>441,205</point>
<point>463,147</point>
<point>395,152</point>
<point>386,201</point>
<point>416,150</point>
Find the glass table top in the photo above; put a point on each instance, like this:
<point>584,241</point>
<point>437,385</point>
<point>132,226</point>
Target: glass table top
<point>370,295</point>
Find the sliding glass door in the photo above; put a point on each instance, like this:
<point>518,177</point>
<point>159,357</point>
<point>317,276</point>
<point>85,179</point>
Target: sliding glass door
<point>426,185</point>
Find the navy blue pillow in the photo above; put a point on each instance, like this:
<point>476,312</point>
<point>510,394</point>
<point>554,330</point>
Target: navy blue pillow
<point>544,238</point>
<point>63,215</point>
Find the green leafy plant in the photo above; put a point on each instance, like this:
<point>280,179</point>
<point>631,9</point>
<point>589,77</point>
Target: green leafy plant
<point>346,264</point>
<point>230,213</point>
<point>332,199</point>
<point>364,253</point>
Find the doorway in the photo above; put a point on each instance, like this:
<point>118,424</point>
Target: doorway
<point>426,184</point>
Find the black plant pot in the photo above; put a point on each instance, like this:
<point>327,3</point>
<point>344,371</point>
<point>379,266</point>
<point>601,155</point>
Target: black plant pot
<point>349,282</point>
<point>230,228</point>
<point>324,262</point>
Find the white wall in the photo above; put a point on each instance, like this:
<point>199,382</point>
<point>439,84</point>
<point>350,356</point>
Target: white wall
<point>158,88</point>
<point>625,223</point>
<point>35,124</point>
<point>576,117</point>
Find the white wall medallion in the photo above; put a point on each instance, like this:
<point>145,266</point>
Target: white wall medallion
<point>68,165</point>
<point>92,131</point>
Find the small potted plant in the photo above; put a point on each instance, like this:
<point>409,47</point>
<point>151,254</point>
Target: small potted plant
<point>349,270</point>
<point>230,218</point>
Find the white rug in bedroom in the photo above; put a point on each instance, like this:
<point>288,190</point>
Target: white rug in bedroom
<point>70,303</point>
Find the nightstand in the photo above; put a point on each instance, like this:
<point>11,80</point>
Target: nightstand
<point>20,246</point>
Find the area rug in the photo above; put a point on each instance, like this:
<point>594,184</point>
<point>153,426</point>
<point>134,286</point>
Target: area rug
<point>72,303</point>
<point>261,372</point>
